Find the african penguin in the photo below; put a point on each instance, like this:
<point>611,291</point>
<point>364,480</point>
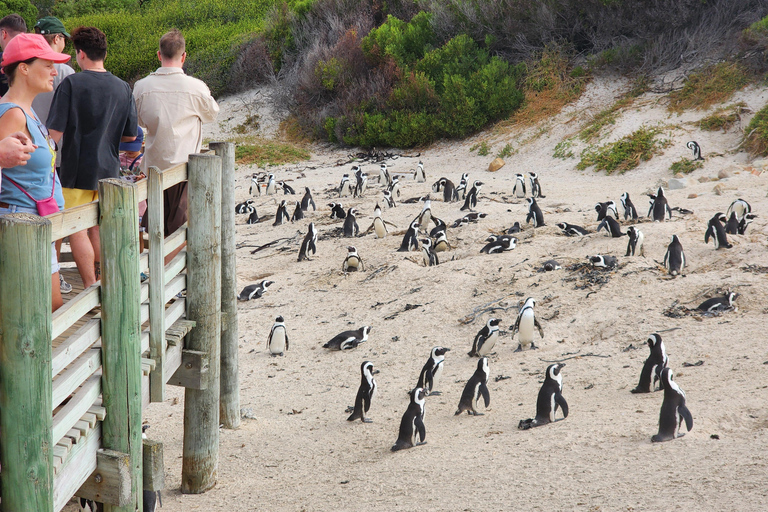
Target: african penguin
<point>550,265</point>
<point>337,211</point>
<point>746,221</point>
<point>571,229</point>
<point>635,244</point>
<point>287,189</point>
<point>351,229</point>
<point>674,259</point>
<point>253,218</point>
<point>426,214</point>
<point>365,393</point>
<point>485,339</point>
<point>255,185</point>
<point>384,177</point>
<point>412,423</point>
<point>348,340</point>
<point>526,321</point>
<point>659,206</point>
<point>439,226</point>
<point>657,361</point>
<point>410,242</point>
<point>298,213</point>
<point>603,261</point>
<point>519,189</point>
<point>550,398</point>
<point>419,174</point>
<point>345,187</point>
<point>514,229</point>
<point>476,386</point>
<point>361,182</point>
<point>87,505</point>
<point>245,207</point>
<point>630,212</point>
<point>428,254</point>
<point>612,227</point>
<point>309,243</point>
<point>379,228</point>
<point>718,303</point>
<point>448,189</point>
<point>353,262</point>
<point>732,225</point>
<point>497,244</point>
<point>695,149</point>
<point>388,199</point>
<point>470,202</point>
<point>432,370</point>
<point>740,207</point>
<point>307,200</point>
<point>271,186</point>
<point>461,190</point>
<point>673,410</point>
<point>534,213</point>
<point>282,214</point>
<point>535,185</point>
<point>470,217</point>
<point>277,342</point>
<point>394,188</point>
<point>441,241</point>
<point>605,209</point>
<point>716,231</point>
<point>255,290</point>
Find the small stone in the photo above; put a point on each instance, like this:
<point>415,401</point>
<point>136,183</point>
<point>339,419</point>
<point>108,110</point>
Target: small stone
<point>703,179</point>
<point>719,189</point>
<point>692,196</point>
<point>724,173</point>
<point>678,183</point>
<point>496,165</point>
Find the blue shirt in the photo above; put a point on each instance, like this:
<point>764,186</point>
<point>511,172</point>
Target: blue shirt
<point>38,176</point>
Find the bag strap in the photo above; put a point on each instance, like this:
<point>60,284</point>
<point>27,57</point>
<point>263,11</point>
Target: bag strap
<point>53,188</point>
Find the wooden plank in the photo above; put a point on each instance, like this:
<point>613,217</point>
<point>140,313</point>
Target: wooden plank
<point>73,310</point>
<point>144,262</point>
<point>76,469</point>
<point>156,231</point>
<point>98,411</point>
<point>90,418</point>
<point>74,410</point>
<point>176,265</point>
<point>76,344</point>
<point>75,375</point>
<point>154,470</point>
<point>110,482</point>
<point>66,442</point>
<point>83,427</point>
<point>175,240</point>
<point>172,360</point>
<point>74,434</point>
<point>60,451</point>
<point>175,311</point>
<point>193,372</point>
<point>73,220</point>
<point>57,463</point>
<point>174,175</point>
<point>176,285</point>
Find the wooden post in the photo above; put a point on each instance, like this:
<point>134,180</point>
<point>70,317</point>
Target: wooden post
<point>120,328</point>
<point>201,407</point>
<point>156,230</point>
<point>230,382</point>
<point>26,445</point>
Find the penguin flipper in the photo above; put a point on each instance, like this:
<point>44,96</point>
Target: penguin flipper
<point>537,324</point>
<point>528,217</point>
<point>560,400</point>
<point>603,224</point>
<point>686,415</point>
<point>286,340</point>
<point>420,429</point>
<point>486,395</point>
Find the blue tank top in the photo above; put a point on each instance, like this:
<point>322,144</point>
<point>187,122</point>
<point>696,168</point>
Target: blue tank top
<point>38,176</point>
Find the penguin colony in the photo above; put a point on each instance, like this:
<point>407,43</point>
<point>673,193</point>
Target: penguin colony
<point>430,235</point>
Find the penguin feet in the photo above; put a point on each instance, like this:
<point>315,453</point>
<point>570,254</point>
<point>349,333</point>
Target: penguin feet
<point>534,347</point>
<point>420,443</point>
<point>519,348</point>
<point>367,420</point>
<point>638,389</point>
<point>526,424</point>
<point>436,393</point>
<point>475,413</point>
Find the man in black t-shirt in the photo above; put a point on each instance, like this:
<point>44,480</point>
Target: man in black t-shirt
<point>92,112</point>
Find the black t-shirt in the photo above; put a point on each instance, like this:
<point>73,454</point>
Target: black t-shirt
<point>94,110</point>
<point>3,80</point>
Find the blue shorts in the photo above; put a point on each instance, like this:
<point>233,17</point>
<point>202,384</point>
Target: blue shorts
<point>22,209</point>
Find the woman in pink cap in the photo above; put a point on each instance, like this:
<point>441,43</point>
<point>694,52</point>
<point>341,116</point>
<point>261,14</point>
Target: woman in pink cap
<point>32,188</point>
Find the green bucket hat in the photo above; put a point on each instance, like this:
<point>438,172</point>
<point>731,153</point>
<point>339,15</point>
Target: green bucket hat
<point>51,25</point>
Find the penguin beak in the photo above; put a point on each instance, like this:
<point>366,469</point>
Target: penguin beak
<point>374,372</point>
<point>562,365</point>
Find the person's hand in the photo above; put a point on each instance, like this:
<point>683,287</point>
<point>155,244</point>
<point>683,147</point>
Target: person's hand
<point>16,149</point>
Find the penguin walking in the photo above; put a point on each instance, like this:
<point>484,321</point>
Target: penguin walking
<point>282,214</point>
<point>254,291</point>
<point>365,393</point>
<point>361,182</point>
<point>550,398</point>
<point>535,185</point>
<point>309,243</point>
<point>410,240</point>
<point>611,226</point>
<point>497,244</point>
<point>412,423</point>
<point>345,187</point>
<point>246,206</point>
<point>348,340</point>
<point>673,410</point>
<point>695,149</point>
<point>718,303</point>
<point>271,185</point>
<point>277,342</point>
<point>419,174</point>
<point>603,261</point>
<point>674,259</point>
<point>485,339</point>
<point>470,202</point>
<point>635,244</point>
<point>659,206</point>
<point>571,229</point>
<point>526,321</point>
<point>657,361</point>
<point>447,187</point>
<point>605,209</point>
<point>307,200</point>
<point>630,212</point>
<point>534,213</point>
<point>716,231</point>
<point>337,211</point>
<point>428,254</point>
<point>353,262</point>
<point>476,387</point>
<point>432,370</point>
<point>519,189</point>
<point>351,229</point>
<point>298,213</point>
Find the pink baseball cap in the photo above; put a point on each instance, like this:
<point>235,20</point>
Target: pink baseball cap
<point>27,46</point>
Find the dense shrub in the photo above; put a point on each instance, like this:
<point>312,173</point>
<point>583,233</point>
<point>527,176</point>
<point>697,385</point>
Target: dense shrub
<point>24,8</point>
<point>757,133</point>
<point>709,86</point>
<point>69,8</point>
<point>624,154</point>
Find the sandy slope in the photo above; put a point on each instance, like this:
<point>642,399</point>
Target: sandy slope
<point>300,453</point>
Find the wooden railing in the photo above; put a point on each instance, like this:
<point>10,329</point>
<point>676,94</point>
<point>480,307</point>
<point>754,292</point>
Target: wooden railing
<point>73,384</point>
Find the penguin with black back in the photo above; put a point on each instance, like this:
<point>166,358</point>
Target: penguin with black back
<point>309,243</point>
<point>673,410</point>
<point>307,200</point>
<point>365,393</point>
<point>716,231</point>
<point>659,206</point>
<point>535,185</point>
<point>635,244</point>
<point>298,213</point>
<point>550,398</point>
<point>255,291</point>
<point>470,201</point>
<point>571,229</point>
<point>353,262</point>
<point>410,239</point>
<point>519,189</point>
<point>428,254</point>
<point>348,340</point>
<point>674,259</point>
<point>605,209</point>
<point>476,387</point>
<point>253,218</point>
<point>657,361</point>
<point>534,213</point>
<point>287,189</point>
<point>525,323</point>
<point>351,229</point>
<point>603,261</point>
<point>695,149</point>
<point>485,339</point>
<point>448,189</point>
<point>245,207</point>
<point>714,304</point>
<point>432,370</point>
<point>612,227</point>
<point>277,341</point>
<point>412,423</point>
<point>630,212</point>
<point>282,214</point>
<point>337,211</point>
<point>732,224</point>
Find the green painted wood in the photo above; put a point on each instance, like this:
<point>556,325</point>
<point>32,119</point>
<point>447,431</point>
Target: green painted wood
<point>120,328</point>
<point>229,409</point>
<point>156,229</point>
<point>201,407</point>
<point>26,445</point>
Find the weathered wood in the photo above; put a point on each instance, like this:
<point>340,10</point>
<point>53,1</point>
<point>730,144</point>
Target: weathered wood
<point>75,375</point>
<point>120,330</point>
<point>76,469</point>
<point>26,445</point>
<point>110,483</point>
<point>156,231</point>
<point>194,371</point>
<point>154,470</point>
<point>175,266</point>
<point>229,408</point>
<point>175,240</point>
<point>73,220</point>
<point>76,344</point>
<point>201,411</point>
<point>72,311</point>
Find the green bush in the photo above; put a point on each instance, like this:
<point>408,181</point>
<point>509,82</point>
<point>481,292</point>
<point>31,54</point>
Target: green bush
<point>24,8</point>
<point>404,42</point>
<point>624,154</point>
<point>685,166</point>
<point>70,8</point>
<point>757,133</point>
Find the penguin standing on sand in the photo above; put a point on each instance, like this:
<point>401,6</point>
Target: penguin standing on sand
<point>394,188</point>
<point>525,323</point>
<point>361,182</point>
<point>612,226</point>
<point>476,386</point>
<point>461,190</point>
<point>255,185</point>
<point>287,189</point>
<point>410,240</point>
<point>309,243</point>
<point>379,227</point>
<point>550,398</point>
<point>673,410</point>
<point>535,185</point>
<point>447,187</point>
<point>277,342</point>
<point>429,255</point>
<point>534,213</point>
<point>307,200</point>
<point>519,189</point>
<point>384,177</point>
<point>426,215</point>
<point>254,290</point>
<point>485,339</point>
<point>345,187</point>
<point>657,361</point>
<point>659,206</point>
<point>605,209</point>
<point>282,214</point>
<point>412,423</point>
<point>337,211</point>
<point>298,213</point>
<point>351,229</point>
<point>253,218</point>
<point>630,212</point>
<point>271,185</point>
<point>718,303</point>
<point>353,262</point>
<point>674,259</point>
<point>470,202</point>
<point>419,174</point>
<point>348,340</point>
<point>635,244</point>
<point>732,224</point>
<point>365,393</point>
<point>432,370</point>
<point>695,149</point>
<point>716,231</point>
